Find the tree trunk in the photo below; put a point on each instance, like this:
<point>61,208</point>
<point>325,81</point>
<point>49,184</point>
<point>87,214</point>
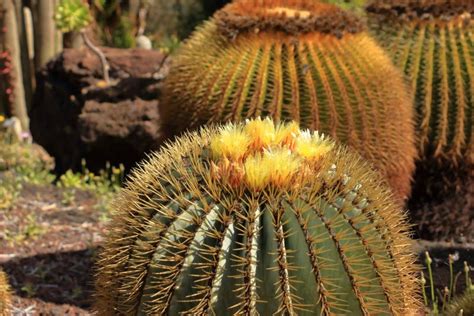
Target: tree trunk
<point>12,43</point>
<point>24,51</point>
<point>58,43</point>
<point>46,33</point>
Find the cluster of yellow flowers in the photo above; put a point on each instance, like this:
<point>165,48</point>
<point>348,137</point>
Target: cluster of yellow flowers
<point>261,154</point>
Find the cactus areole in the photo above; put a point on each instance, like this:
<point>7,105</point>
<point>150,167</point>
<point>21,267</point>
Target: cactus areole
<point>295,60</point>
<point>433,42</point>
<point>256,219</point>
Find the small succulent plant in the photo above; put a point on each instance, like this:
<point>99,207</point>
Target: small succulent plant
<point>74,16</point>
<point>305,61</point>
<point>256,218</point>
<point>5,295</point>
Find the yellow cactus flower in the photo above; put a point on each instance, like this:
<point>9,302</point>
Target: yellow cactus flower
<point>261,132</point>
<point>312,147</point>
<point>257,173</point>
<point>286,134</point>
<point>232,143</point>
<point>283,166</point>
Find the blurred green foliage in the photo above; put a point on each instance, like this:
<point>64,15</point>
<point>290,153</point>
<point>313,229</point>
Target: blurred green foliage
<point>72,15</point>
<point>114,24</point>
<point>178,18</point>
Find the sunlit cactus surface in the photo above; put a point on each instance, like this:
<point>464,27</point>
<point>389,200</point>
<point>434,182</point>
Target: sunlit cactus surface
<point>252,219</point>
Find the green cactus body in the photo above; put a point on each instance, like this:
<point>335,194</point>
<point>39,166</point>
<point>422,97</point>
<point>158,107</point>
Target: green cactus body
<point>433,42</point>
<point>256,219</point>
<point>295,60</point>
<point>5,295</point>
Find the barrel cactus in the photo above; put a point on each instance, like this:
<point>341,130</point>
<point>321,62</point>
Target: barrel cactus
<point>462,306</point>
<point>432,41</point>
<point>298,60</point>
<point>5,295</point>
<point>256,218</point>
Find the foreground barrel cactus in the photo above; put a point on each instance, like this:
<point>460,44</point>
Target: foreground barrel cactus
<point>298,60</point>
<point>432,41</point>
<point>5,295</point>
<point>256,219</point>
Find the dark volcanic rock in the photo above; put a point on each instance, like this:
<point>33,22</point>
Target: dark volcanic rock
<point>75,117</point>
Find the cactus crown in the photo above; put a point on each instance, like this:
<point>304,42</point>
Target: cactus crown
<point>444,10</point>
<point>289,17</point>
<point>261,155</point>
<point>256,219</point>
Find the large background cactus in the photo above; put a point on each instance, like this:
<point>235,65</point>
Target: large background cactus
<point>5,295</point>
<point>295,60</point>
<point>256,218</point>
<point>433,42</point>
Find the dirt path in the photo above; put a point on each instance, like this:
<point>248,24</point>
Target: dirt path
<point>47,249</point>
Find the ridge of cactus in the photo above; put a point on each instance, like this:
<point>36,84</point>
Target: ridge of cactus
<point>5,295</point>
<point>294,60</point>
<point>432,41</point>
<point>256,218</point>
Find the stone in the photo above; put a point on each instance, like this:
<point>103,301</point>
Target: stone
<point>76,116</point>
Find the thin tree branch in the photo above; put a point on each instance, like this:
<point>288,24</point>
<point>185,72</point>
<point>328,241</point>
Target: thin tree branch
<point>100,54</point>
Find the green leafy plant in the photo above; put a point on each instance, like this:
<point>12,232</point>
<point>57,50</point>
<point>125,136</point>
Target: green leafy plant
<point>114,24</point>
<point>104,184</point>
<point>256,218</point>
<point>300,60</point>
<point>74,15</point>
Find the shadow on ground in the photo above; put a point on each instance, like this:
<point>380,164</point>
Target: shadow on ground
<point>60,278</point>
